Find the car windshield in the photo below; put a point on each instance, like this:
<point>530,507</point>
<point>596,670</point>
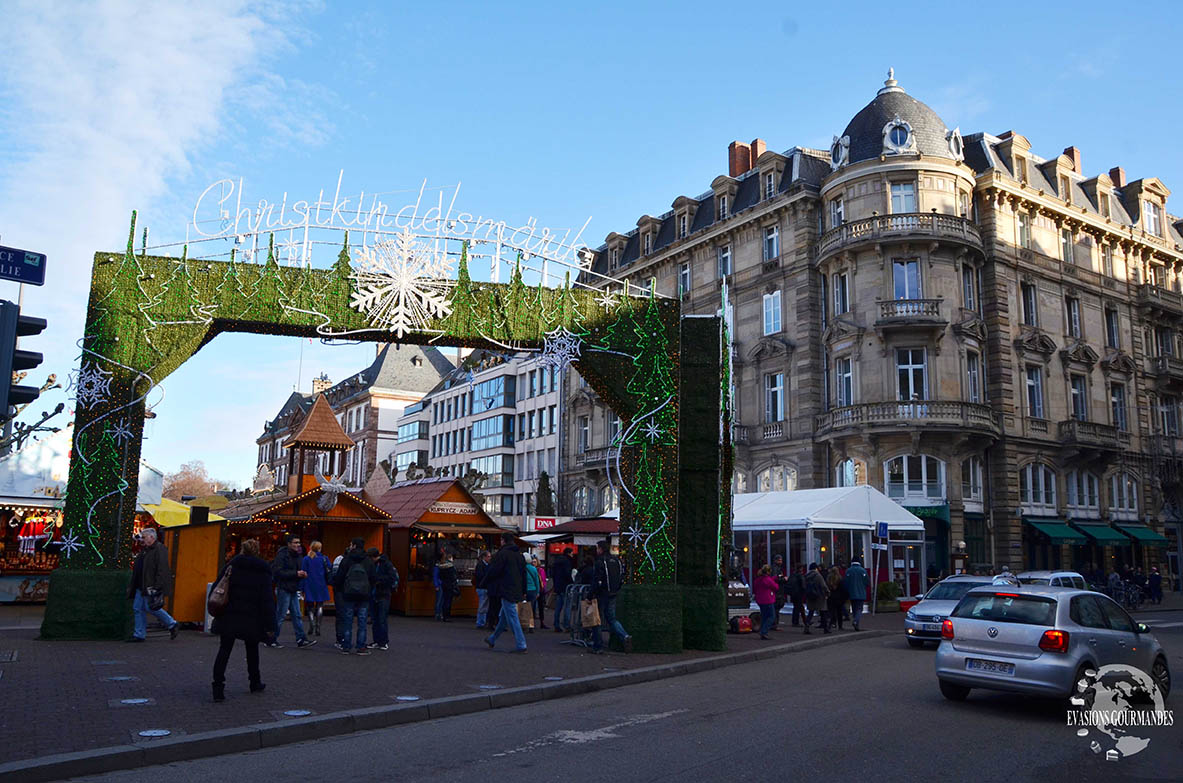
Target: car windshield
<point>1008,608</point>
<point>952,591</point>
<point>1036,580</point>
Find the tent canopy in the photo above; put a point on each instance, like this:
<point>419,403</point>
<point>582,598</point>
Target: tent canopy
<point>170,513</point>
<point>843,508</point>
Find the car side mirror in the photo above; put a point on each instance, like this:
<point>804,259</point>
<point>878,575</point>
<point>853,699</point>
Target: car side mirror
<point>1142,628</point>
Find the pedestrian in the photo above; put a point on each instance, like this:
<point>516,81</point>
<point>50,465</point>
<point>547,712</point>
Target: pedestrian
<point>765,590</point>
<point>540,601</point>
<point>1114,585</point>
<point>562,570</point>
<point>352,588</point>
<point>287,571</point>
<point>796,591</point>
<point>385,582</point>
<point>836,600</point>
<point>782,584</point>
<point>1154,582</point>
<point>249,615</point>
<point>609,579</point>
<point>447,585</point>
<point>533,587</point>
<point>316,585</point>
<point>856,587</point>
<point>482,593</point>
<point>506,579</point>
<point>150,582</point>
<point>816,596</point>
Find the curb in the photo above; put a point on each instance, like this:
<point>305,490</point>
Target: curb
<point>246,738</point>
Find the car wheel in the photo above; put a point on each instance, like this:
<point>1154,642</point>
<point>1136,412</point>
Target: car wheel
<point>1162,676</point>
<point>952,691</point>
<point>916,643</point>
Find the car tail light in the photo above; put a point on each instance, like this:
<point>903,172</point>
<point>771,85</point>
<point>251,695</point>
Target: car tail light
<point>947,629</point>
<point>1054,641</point>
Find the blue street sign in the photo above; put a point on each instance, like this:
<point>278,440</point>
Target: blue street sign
<point>23,266</point>
<point>881,530</point>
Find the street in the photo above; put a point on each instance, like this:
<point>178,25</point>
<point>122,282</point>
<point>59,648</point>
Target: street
<point>869,708</point>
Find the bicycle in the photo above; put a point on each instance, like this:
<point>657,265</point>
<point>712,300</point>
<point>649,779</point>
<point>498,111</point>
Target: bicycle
<point>1133,597</point>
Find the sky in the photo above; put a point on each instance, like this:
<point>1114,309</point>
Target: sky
<point>559,111</point>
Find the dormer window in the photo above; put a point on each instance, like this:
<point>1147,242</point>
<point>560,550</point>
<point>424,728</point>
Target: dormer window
<point>839,152</point>
<point>898,137</point>
<point>769,185</point>
<point>1104,204</point>
<point>1152,214</point>
<point>647,243</point>
<point>722,207</point>
<point>682,223</point>
<point>613,258</point>
<point>956,144</point>
<point>1021,169</point>
<point>1065,188</point>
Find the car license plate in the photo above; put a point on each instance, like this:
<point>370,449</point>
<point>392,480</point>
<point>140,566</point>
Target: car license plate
<point>993,667</point>
<point>930,627</point>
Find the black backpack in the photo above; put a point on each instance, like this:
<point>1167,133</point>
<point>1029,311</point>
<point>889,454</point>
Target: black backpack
<point>613,577</point>
<point>812,588</point>
<point>357,582</point>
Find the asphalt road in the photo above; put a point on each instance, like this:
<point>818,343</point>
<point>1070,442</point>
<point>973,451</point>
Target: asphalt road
<point>869,709</point>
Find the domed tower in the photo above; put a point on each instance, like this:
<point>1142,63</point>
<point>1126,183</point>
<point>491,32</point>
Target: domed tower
<point>900,262</point>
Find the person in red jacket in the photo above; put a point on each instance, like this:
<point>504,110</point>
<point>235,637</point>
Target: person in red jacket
<point>765,592</point>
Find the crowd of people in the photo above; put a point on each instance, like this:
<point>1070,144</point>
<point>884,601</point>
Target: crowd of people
<point>833,595</point>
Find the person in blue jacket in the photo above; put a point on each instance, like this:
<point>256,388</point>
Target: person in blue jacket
<point>315,585</point>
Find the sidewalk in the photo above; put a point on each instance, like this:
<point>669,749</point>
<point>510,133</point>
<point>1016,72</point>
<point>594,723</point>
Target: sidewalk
<point>66,688</point>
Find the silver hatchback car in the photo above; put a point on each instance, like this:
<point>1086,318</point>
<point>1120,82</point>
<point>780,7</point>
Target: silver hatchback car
<point>1040,640</point>
<point>923,621</point>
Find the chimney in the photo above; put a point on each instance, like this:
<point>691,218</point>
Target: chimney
<point>758,147</point>
<point>739,158</point>
<point>1073,154</point>
<point>321,383</point>
<point>1117,174</point>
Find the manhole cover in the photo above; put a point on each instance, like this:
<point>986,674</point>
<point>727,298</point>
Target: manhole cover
<point>8,656</point>
<point>297,713</point>
<point>154,733</point>
<point>406,698</point>
<point>135,701</point>
<point>552,679</point>
<point>119,678</point>
<point>488,687</point>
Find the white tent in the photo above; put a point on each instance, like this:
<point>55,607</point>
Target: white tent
<point>838,508</point>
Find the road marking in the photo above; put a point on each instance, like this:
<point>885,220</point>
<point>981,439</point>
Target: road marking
<point>571,737</point>
<point>1156,626</point>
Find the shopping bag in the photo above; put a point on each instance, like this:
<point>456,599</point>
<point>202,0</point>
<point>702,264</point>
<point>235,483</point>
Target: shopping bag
<point>589,613</point>
<point>526,614</point>
<point>220,595</point>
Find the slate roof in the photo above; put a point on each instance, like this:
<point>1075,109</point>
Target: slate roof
<point>866,129</point>
<point>320,429</point>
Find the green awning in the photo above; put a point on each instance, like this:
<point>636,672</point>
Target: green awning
<point>1056,530</point>
<point>1143,534</point>
<point>1102,534</point>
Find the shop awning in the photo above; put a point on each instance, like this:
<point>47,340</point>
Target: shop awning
<point>1143,534</point>
<point>541,538</point>
<point>1102,534</point>
<point>440,528</point>
<point>170,513</point>
<point>1056,530</point>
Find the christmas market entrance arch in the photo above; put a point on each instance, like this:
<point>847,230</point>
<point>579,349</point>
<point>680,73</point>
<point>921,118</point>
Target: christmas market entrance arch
<point>662,373</point>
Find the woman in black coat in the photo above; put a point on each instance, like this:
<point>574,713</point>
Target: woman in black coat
<point>249,615</point>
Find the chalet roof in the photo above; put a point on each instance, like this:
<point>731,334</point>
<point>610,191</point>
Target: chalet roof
<point>320,430</point>
<point>367,510</point>
<point>408,501</point>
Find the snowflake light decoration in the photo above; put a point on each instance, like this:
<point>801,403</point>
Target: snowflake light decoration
<point>652,431</point>
<point>120,431</point>
<point>635,535</point>
<point>91,385</point>
<point>402,284</point>
<point>607,300</point>
<point>70,544</point>
<point>560,348</point>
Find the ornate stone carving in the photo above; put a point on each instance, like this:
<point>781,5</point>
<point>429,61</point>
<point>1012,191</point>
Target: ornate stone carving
<point>1079,353</point>
<point>1118,361</point>
<point>770,348</point>
<point>1035,341</point>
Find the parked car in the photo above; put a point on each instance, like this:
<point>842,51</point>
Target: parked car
<point>1054,579</point>
<point>923,621</point>
<point>1040,641</point>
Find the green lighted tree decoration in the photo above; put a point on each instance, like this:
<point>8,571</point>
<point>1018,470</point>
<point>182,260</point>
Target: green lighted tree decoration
<point>148,314</point>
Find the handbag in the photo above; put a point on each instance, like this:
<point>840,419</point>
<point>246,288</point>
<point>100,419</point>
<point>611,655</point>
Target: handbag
<point>526,614</point>
<point>456,590</point>
<point>155,599</point>
<point>589,613</point>
<point>219,596</point>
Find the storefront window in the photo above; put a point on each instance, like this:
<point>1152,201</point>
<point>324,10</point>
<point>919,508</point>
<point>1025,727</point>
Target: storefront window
<point>797,548</point>
<point>760,549</point>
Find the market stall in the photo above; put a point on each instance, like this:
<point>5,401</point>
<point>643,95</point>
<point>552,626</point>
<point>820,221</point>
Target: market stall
<point>428,515</point>
<point>579,535</point>
<point>194,543</point>
<point>829,526</point>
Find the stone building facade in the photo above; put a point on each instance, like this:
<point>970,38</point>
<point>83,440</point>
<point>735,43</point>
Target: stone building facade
<point>990,337</point>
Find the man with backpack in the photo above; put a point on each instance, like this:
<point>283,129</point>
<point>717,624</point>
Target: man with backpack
<point>506,580</point>
<point>287,570</point>
<point>352,587</point>
<point>609,578</point>
<point>385,582</point>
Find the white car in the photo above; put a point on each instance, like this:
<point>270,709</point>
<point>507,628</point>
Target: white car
<point>923,621</point>
<point>1054,579</point>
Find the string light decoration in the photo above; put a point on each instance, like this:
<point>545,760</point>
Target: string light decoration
<point>148,314</point>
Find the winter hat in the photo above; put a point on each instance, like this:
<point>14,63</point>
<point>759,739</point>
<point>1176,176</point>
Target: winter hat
<point>373,551</point>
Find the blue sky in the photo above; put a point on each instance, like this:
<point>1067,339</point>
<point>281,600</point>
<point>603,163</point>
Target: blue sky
<point>560,111</point>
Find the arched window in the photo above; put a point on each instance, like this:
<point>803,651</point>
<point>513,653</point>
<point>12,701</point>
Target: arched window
<point>1123,496</point>
<point>1084,492</point>
<point>850,473</point>
<point>915,476</point>
<point>581,502</point>
<point>1037,486</point>
<point>777,478</point>
<point>739,482</point>
<point>610,499</point>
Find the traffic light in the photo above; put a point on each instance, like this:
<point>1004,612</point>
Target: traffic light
<point>13,325</point>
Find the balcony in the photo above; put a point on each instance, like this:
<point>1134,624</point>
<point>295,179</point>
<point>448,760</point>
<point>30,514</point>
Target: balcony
<point>929,414</point>
<point>1168,369</point>
<point>1155,298</point>
<point>773,431</point>
<point>739,434</point>
<point>898,314</point>
<point>592,457</point>
<point>1077,435</point>
<point>909,225</point>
